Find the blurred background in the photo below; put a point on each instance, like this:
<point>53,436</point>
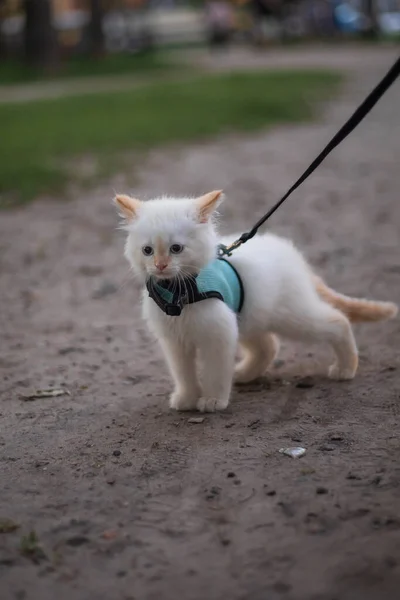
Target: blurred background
<point>137,57</point>
<point>47,33</point>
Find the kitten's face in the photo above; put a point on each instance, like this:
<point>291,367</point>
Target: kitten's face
<point>169,238</point>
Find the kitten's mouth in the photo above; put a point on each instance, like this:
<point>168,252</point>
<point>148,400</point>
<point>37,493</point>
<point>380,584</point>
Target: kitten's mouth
<point>165,276</point>
<point>171,276</point>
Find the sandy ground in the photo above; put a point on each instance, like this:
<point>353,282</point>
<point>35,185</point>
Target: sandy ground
<point>130,501</point>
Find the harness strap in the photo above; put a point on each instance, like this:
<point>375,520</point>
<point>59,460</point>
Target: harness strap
<point>185,291</point>
<point>360,113</point>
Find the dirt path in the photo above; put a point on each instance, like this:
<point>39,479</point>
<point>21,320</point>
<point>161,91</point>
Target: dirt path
<point>130,501</point>
<point>343,58</point>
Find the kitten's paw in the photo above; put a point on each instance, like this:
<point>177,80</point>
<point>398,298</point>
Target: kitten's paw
<point>183,401</point>
<point>341,373</point>
<point>206,404</point>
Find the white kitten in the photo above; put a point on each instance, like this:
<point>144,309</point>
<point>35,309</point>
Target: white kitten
<point>171,238</point>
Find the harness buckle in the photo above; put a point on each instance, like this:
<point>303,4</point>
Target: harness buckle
<point>173,310</point>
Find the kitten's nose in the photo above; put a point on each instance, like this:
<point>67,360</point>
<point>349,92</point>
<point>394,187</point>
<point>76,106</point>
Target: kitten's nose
<point>161,265</point>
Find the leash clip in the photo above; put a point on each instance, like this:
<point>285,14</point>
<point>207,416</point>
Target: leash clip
<point>227,250</point>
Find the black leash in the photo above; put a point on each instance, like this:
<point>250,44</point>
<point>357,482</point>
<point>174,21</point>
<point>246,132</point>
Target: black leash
<point>355,119</point>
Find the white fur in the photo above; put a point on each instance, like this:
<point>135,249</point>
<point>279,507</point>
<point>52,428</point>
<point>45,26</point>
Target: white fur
<point>200,345</point>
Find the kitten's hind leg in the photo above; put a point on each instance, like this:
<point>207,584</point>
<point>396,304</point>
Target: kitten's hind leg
<point>319,322</point>
<point>259,352</point>
<point>344,345</point>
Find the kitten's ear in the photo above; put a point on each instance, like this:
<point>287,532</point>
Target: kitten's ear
<point>127,206</point>
<point>207,204</point>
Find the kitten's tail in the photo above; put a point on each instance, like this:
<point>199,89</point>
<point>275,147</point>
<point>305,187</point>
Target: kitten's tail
<point>355,309</point>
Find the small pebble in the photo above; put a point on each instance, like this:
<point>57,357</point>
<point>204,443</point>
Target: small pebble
<point>271,493</point>
<point>231,474</point>
<point>212,493</point>
<point>77,540</point>
<point>327,448</point>
<point>196,420</point>
<point>117,453</point>
<point>225,541</point>
<point>321,490</point>
<point>110,481</point>
<point>305,383</point>
<point>336,437</point>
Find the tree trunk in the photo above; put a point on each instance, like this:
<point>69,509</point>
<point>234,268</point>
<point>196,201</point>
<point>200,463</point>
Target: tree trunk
<point>370,12</point>
<point>39,38</point>
<point>2,44</point>
<point>96,34</point>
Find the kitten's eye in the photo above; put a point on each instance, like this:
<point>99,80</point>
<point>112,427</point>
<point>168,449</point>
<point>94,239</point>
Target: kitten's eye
<point>147,250</point>
<point>176,248</point>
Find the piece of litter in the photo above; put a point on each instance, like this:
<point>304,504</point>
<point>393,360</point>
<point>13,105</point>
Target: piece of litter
<point>196,420</point>
<point>293,452</point>
<point>51,393</point>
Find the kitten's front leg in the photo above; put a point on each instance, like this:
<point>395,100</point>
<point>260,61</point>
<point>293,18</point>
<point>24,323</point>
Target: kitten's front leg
<point>182,365</point>
<point>217,336</point>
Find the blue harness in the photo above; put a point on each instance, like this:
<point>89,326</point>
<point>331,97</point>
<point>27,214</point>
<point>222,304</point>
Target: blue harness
<point>219,279</point>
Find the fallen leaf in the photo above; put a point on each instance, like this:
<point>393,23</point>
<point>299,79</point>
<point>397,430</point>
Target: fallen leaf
<point>109,535</point>
<point>51,393</point>
<point>8,526</point>
<point>307,471</point>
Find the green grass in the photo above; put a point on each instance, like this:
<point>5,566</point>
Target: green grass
<point>16,72</point>
<point>43,141</point>
<point>30,547</point>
